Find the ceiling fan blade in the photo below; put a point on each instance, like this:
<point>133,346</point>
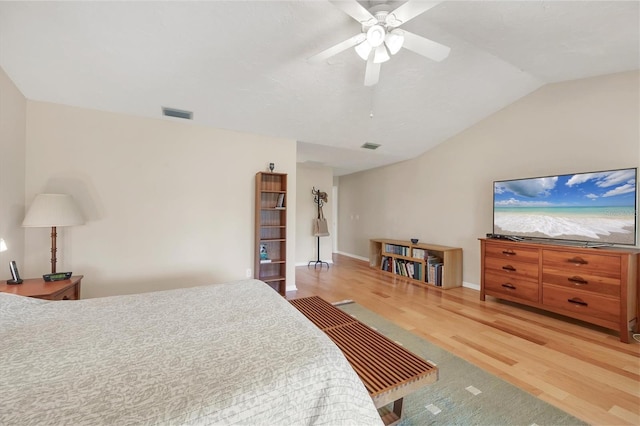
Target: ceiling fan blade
<point>372,72</point>
<point>355,10</point>
<point>425,47</point>
<point>340,47</point>
<point>410,10</point>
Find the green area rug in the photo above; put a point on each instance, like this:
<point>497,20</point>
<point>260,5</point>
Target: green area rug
<point>464,394</point>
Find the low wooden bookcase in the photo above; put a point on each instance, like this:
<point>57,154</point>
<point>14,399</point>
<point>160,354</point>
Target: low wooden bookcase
<point>424,264</point>
<point>596,285</point>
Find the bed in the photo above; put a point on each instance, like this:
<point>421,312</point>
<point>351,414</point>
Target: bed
<point>232,353</point>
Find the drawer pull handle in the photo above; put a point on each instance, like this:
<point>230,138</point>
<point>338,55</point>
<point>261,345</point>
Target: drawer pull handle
<point>508,252</point>
<point>577,301</point>
<point>577,261</point>
<point>578,280</point>
<point>509,268</point>
<point>509,286</point>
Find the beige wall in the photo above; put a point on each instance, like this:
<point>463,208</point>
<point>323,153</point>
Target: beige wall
<point>13,107</point>
<point>445,195</point>
<point>309,177</point>
<point>168,203</point>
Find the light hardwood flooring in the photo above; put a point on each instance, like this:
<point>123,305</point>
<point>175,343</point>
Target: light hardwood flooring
<point>582,369</point>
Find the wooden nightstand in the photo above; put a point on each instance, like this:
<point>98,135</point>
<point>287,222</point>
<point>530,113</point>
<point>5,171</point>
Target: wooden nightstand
<point>40,289</point>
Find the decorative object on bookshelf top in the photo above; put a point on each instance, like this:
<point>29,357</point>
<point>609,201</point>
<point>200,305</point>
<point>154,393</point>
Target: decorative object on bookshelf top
<point>271,167</point>
<point>414,241</point>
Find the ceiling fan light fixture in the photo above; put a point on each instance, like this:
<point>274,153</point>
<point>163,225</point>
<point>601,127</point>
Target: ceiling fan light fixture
<point>381,55</point>
<point>376,35</point>
<point>394,41</point>
<point>364,50</point>
<point>392,21</point>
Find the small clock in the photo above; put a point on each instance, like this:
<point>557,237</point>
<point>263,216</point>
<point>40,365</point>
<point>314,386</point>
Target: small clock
<point>59,276</point>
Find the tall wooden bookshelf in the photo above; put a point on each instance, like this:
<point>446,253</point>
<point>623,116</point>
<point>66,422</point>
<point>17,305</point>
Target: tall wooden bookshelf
<point>270,264</point>
<point>424,264</point>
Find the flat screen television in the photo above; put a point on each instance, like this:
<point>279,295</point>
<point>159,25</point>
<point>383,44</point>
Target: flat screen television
<point>597,208</point>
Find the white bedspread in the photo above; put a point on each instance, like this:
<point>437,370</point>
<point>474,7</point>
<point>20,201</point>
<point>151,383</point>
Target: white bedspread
<point>233,353</point>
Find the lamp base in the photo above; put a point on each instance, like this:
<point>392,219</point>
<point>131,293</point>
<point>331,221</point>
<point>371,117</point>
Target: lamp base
<point>14,281</point>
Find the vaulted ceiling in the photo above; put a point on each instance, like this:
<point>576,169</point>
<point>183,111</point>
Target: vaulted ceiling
<point>242,65</point>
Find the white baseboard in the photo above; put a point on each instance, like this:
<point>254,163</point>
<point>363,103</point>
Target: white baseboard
<point>471,285</point>
<point>355,256</point>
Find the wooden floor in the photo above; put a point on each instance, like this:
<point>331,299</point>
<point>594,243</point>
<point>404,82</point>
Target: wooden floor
<point>582,369</point>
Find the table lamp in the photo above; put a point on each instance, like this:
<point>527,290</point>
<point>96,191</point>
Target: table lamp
<point>53,210</point>
<point>3,245</point>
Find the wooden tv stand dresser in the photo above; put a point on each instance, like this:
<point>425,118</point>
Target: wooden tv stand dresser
<point>595,285</point>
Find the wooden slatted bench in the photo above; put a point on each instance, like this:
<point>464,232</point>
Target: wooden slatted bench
<point>388,371</point>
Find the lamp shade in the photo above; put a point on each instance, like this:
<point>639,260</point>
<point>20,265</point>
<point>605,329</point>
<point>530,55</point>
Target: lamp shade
<point>394,41</point>
<point>53,210</point>
<point>381,55</point>
<point>364,50</point>
<point>3,245</point>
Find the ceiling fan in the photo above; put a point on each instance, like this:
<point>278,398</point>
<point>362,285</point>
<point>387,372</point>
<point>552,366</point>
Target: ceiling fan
<point>380,37</point>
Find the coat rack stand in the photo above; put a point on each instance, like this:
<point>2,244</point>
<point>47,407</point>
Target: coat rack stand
<point>318,200</point>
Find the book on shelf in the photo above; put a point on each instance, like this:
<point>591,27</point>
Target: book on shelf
<point>403,267</point>
<point>434,273</point>
<point>417,268</point>
<point>387,264</point>
<point>265,260</point>
<point>395,249</point>
<point>439,268</point>
<point>280,203</point>
<point>419,253</point>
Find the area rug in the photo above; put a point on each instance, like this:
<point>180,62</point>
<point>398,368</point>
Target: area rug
<point>464,394</point>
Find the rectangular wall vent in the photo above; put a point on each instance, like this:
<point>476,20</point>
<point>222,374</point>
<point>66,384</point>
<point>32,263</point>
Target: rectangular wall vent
<point>178,113</point>
<point>369,145</point>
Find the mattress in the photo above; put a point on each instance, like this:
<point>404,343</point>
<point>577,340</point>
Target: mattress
<point>231,353</point>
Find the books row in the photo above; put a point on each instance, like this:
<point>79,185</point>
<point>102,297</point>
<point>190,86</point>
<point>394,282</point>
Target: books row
<point>434,270</point>
<point>419,253</point>
<point>416,253</point>
<point>392,248</point>
<point>432,274</point>
<point>406,268</point>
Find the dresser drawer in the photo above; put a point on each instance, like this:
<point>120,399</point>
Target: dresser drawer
<point>582,280</point>
<point>512,267</point>
<point>582,263</point>
<point>498,283</point>
<point>582,303</point>
<point>512,252</point>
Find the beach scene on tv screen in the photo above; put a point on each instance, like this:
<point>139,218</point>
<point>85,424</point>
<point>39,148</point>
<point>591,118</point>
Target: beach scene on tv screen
<point>594,207</point>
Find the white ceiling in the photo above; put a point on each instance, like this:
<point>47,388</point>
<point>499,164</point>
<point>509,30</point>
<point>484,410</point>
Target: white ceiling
<point>242,65</point>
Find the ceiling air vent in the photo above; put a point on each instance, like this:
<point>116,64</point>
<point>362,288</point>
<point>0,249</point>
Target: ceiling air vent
<point>178,113</point>
<point>369,145</point>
